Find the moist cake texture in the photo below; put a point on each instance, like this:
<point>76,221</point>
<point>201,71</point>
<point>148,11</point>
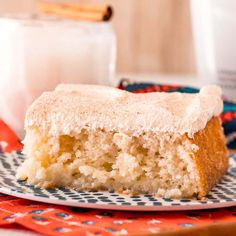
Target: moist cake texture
<point>102,138</point>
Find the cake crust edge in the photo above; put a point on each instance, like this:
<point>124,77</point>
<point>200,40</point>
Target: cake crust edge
<point>211,158</point>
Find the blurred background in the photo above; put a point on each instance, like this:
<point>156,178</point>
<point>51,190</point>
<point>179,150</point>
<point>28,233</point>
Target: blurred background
<point>153,36</point>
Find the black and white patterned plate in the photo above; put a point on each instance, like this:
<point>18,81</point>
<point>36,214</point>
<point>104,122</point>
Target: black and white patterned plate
<point>223,195</point>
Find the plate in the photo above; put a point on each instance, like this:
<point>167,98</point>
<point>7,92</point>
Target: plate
<point>223,195</point>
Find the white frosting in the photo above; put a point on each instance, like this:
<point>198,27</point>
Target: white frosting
<point>71,108</point>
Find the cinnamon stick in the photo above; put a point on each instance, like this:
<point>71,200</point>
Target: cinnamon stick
<point>77,11</point>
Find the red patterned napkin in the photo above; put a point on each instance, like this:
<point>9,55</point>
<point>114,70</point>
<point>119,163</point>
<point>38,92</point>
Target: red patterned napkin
<point>52,219</point>
<point>8,139</point>
<point>55,220</point>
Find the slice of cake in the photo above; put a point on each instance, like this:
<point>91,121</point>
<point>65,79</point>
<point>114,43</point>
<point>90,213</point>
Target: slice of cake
<point>100,138</point>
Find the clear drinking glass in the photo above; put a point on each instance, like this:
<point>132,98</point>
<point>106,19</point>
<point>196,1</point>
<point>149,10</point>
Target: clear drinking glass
<point>214,25</point>
<point>38,53</point>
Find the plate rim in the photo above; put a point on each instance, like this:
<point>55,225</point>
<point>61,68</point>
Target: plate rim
<point>106,206</point>
<point>74,203</point>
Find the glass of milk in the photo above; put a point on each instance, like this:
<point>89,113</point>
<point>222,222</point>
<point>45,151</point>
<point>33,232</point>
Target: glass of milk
<point>214,27</point>
<point>38,53</point>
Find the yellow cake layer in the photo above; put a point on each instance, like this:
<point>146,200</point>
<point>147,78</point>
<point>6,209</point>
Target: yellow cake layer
<point>162,164</point>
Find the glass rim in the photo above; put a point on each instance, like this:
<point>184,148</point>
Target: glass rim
<point>37,17</point>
